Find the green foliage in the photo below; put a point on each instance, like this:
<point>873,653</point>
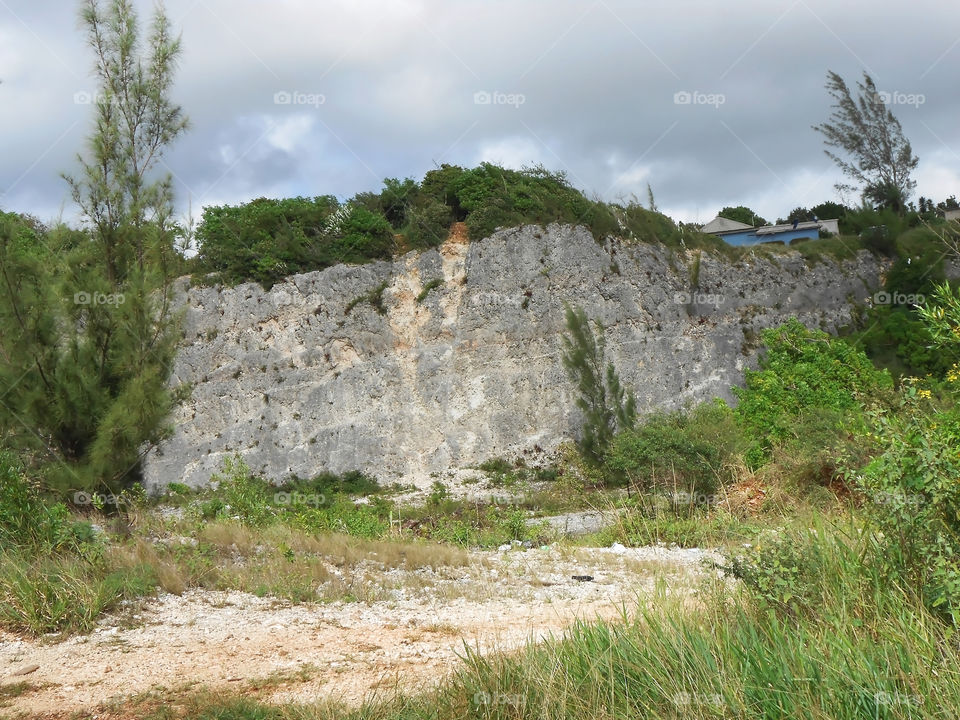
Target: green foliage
<point>42,594</point>
<point>742,214</point>
<point>495,197</point>
<point>605,404</point>
<point>428,286</point>
<point>914,498</point>
<point>638,223</point>
<point>790,571</point>
<point>87,336</point>
<point>352,482</point>
<point>26,521</point>
<point>266,240</point>
<point>682,452</point>
<point>873,150</point>
<point>895,335</point>
<point>804,372</point>
<point>374,298</point>
<point>896,338</point>
<point>912,482</point>
<point>242,496</point>
<point>438,493</point>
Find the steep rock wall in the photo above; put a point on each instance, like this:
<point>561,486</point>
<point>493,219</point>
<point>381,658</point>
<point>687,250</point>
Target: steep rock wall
<point>309,377</point>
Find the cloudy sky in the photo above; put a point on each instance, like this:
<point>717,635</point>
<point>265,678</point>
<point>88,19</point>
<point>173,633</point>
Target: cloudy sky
<point>711,103</point>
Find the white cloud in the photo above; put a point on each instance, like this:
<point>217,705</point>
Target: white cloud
<point>511,152</point>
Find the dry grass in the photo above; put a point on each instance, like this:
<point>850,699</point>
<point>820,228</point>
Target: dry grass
<point>283,562</point>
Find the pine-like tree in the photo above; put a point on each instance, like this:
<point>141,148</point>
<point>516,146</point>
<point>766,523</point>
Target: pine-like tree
<point>606,405</point>
<point>87,334</point>
<point>876,153</point>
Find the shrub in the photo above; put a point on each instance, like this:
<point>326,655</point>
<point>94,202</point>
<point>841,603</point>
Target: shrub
<point>605,404</point>
<point>676,451</point>
<point>802,372</point>
<point>26,521</point>
<point>242,496</point>
<point>352,482</point>
<point>914,497</point>
<point>266,240</point>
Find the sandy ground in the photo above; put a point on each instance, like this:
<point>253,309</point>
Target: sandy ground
<point>339,651</point>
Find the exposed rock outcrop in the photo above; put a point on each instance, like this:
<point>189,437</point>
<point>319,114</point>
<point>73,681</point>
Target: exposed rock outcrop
<point>313,375</point>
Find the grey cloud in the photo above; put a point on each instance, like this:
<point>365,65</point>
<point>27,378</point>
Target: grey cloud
<point>598,82</point>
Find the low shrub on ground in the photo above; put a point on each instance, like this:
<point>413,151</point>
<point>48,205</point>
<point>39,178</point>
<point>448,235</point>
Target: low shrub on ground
<point>680,451</point>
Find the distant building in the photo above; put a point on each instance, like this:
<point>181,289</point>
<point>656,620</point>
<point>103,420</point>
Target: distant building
<point>952,215</point>
<point>738,233</point>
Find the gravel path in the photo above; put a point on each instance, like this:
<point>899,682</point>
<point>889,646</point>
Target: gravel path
<point>342,651</point>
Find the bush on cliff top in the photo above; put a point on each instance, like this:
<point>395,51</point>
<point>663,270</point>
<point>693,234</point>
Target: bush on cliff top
<point>266,240</point>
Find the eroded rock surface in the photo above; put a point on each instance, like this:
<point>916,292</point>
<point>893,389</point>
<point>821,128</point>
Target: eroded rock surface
<point>310,376</point>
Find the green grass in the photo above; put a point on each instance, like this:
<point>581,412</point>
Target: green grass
<point>63,592</point>
<point>430,285</point>
<point>857,646</point>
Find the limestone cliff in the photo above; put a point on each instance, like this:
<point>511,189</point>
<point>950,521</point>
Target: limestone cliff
<point>313,375</point>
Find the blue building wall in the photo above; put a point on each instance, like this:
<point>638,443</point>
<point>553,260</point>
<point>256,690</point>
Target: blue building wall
<point>750,237</point>
<point>743,237</point>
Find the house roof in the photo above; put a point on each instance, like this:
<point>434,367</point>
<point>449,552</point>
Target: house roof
<point>786,227</point>
<point>720,225</point>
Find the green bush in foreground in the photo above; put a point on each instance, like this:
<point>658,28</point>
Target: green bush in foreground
<point>802,372</point>
<point>681,451</point>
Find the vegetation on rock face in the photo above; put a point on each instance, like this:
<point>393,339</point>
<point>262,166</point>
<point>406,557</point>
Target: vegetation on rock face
<point>604,402</point>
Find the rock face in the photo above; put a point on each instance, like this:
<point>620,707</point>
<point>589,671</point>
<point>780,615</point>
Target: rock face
<point>313,375</point>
